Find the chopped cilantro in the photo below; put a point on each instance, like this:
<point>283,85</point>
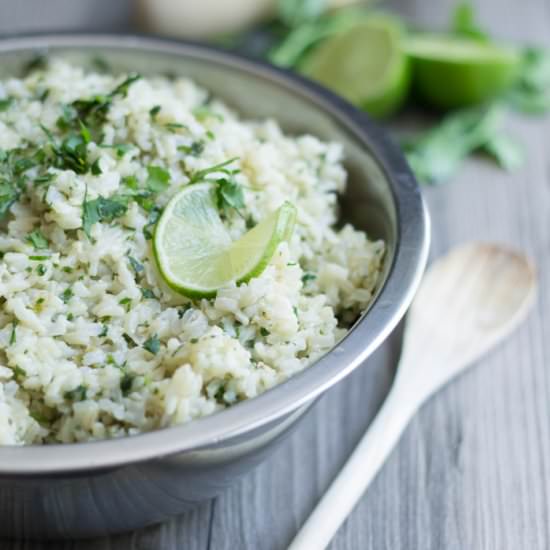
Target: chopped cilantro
<point>37,239</point>
<point>229,194</point>
<point>84,132</point>
<point>154,215</point>
<point>127,302</point>
<point>13,335</point>
<point>38,258</point>
<point>101,210</point>
<point>136,266</point>
<point>126,383</point>
<point>152,345</point>
<point>148,294</point>
<point>67,295</point>
<point>104,331</point>
<point>154,111</point>
<point>9,193</point>
<point>96,168</point>
<point>6,103</point>
<point>173,126</point>
<point>18,371</point>
<point>264,331</point>
<point>158,179</point>
<point>195,149</point>
<point>41,269</point>
<point>306,277</point>
<point>78,394</point>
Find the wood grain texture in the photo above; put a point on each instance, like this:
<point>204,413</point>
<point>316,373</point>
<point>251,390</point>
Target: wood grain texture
<point>472,472</point>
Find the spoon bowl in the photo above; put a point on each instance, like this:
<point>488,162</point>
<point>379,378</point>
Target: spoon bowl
<point>468,301</point>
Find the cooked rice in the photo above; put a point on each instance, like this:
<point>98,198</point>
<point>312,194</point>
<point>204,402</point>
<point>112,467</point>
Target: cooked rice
<point>92,343</point>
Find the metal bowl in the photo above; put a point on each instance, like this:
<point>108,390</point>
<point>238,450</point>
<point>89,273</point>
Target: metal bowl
<point>93,489</point>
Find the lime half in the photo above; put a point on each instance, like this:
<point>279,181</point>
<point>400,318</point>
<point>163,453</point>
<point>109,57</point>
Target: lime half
<point>195,253</point>
<point>365,64</point>
<point>453,72</point>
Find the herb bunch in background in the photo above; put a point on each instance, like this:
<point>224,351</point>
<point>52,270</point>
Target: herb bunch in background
<point>374,60</point>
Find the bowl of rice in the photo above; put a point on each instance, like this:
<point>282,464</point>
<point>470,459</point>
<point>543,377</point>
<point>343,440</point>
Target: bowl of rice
<point>122,400</point>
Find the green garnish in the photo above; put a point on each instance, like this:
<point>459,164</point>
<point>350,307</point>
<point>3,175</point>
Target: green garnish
<point>101,210</point>
<point>78,394</point>
<point>195,149</point>
<point>436,156</point>
<point>158,179</point>
<point>306,277</point>
<point>126,383</point>
<point>264,331</point>
<point>37,239</point>
<point>96,168</point>
<point>67,295</point>
<point>41,269</point>
<point>136,266</point>
<point>18,371</point>
<point>13,335</point>
<point>38,258</point>
<point>229,194</point>
<point>148,294</point>
<point>152,345</point>
<point>6,103</point>
<point>154,111</point>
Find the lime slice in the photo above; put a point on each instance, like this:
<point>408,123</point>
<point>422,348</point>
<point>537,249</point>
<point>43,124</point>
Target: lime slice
<point>452,72</point>
<point>195,253</point>
<point>365,64</point>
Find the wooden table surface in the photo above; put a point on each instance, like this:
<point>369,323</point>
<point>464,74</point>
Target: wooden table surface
<point>473,469</point>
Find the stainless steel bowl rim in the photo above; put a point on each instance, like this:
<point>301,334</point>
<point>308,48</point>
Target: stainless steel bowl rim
<point>374,327</point>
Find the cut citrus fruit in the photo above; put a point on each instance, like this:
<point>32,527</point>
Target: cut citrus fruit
<point>365,64</point>
<point>452,72</point>
<point>194,252</point>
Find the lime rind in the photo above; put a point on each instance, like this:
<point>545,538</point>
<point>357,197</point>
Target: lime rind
<point>453,72</point>
<point>365,64</point>
<point>194,252</point>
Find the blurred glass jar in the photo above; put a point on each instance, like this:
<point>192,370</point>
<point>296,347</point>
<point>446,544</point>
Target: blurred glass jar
<point>200,18</point>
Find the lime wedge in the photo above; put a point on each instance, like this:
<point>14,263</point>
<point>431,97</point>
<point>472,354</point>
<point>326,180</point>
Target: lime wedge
<point>452,72</point>
<point>365,64</point>
<point>194,252</point>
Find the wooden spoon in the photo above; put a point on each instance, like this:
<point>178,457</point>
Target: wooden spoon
<point>468,302</point>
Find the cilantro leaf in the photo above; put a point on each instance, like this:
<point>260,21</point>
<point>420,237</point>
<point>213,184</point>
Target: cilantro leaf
<point>229,194</point>
<point>8,195</point>
<point>148,294</point>
<point>13,335</point>
<point>152,345</point>
<point>67,295</point>
<point>195,149</point>
<point>158,179</point>
<point>136,266</point>
<point>37,239</point>
<point>126,383</point>
<point>531,92</point>
<point>437,155</point>
<point>78,394</point>
<point>154,111</point>
<point>101,210</point>
<point>6,103</point>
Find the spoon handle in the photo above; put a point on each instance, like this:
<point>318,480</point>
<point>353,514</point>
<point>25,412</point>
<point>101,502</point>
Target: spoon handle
<point>360,469</point>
